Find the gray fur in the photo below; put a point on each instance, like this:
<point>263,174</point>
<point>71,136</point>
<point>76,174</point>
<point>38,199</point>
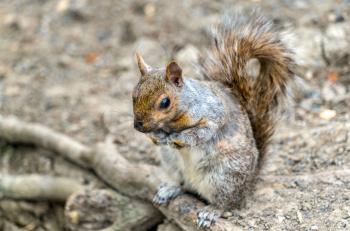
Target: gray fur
<point>165,193</point>
<point>218,177</point>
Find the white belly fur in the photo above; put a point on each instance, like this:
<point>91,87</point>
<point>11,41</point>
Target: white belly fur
<point>194,177</point>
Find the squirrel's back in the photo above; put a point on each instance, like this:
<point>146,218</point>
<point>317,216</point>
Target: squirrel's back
<point>236,40</point>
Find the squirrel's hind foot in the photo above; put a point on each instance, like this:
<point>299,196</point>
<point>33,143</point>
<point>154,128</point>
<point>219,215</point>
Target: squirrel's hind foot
<point>207,217</point>
<point>166,193</point>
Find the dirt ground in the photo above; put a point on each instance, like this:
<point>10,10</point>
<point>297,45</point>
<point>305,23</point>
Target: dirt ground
<point>70,65</point>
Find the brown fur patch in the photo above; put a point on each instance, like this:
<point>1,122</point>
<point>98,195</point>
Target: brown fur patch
<point>151,88</point>
<point>180,122</point>
<point>184,121</point>
<point>225,147</point>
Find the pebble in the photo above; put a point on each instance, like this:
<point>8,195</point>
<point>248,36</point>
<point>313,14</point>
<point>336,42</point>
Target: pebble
<point>11,21</point>
<point>74,217</point>
<point>328,114</point>
<point>12,91</point>
<point>74,8</point>
<point>150,10</point>
<point>336,18</point>
<point>332,91</point>
<point>299,216</point>
<point>227,214</point>
<point>64,6</point>
<point>335,41</point>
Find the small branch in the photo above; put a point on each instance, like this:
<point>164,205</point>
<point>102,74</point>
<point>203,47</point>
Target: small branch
<point>37,187</point>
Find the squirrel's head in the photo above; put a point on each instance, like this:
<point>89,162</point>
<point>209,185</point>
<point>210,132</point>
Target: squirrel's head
<point>156,96</point>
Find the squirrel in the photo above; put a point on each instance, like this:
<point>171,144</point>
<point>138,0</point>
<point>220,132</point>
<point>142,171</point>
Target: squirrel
<point>222,124</point>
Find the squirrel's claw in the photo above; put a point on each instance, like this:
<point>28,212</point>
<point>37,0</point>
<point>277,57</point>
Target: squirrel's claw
<point>165,194</point>
<point>177,144</point>
<point>158,138</point>
<point>207,217</point>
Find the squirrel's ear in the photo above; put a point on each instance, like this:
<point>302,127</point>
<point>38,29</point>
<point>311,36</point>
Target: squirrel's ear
<point>174,74</point>
<point>143,67</point>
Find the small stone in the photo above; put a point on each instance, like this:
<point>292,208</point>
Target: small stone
<point>335,41</point>
<point>336,18</point>
<point>150,10</point>
<point>331,91</point>
<point>309,74</point>
<point>11,21</point>
<point>306,206</point>
<point>328,114</point>
<point>332,17</point>
<point>314,227</point>
<point>339,18</point>
<point>299,216</point>
<point>74,8</point>
<point>62,5</point>
<point>281,218</point>
<point>227,214</point>
<point>12,90</point>
<point>74,217</point>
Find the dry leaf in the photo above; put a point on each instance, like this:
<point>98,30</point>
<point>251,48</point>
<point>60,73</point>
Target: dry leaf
<point>91,57</point>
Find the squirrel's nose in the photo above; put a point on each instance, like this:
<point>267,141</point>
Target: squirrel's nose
<point>138,125</point>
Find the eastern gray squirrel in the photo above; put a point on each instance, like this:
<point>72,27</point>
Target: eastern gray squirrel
<point>223,124</point>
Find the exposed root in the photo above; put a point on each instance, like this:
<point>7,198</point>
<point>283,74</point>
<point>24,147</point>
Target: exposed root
<point>141,180</point>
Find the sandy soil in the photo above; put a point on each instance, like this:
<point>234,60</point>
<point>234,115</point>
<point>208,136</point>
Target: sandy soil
<point>70,65</point>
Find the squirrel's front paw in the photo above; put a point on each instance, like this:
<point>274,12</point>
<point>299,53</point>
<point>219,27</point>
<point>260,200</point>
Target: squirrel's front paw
<point>207,217</point>
<point>159,138</point>
<point>166,193</point>
<point>180,140</point>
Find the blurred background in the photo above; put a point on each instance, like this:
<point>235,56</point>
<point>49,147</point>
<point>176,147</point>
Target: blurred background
<point>69,65</point>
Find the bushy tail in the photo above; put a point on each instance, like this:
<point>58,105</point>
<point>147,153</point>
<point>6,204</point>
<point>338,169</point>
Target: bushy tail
<point>238,39</point>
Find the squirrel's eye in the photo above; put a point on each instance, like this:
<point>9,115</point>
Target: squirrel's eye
<point>165,103</point>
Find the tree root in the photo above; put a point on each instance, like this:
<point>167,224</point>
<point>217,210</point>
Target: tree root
<point>139,180</point>
<point>101,209</point>
<point>11,129</point>
<point>37,187</point>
